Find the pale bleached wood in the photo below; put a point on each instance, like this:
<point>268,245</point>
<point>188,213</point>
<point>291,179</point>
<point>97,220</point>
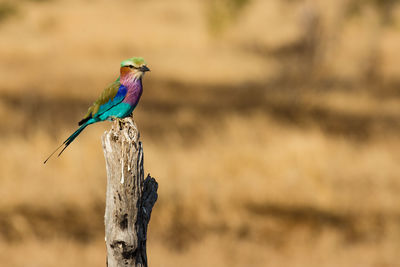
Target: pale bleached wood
<point>129,199</point>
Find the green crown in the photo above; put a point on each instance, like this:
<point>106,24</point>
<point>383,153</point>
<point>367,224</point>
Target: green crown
<point>135,61</point>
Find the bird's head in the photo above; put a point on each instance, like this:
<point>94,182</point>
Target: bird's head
<point>133,68</point>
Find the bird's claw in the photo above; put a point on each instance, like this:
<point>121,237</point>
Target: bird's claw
<point>119,120</point>
<point>113,118</point>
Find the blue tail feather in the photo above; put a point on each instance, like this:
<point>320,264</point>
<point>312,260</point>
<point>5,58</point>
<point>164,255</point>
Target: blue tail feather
<point>71,138</point>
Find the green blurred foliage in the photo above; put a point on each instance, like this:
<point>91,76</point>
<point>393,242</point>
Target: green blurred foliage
<point>222,13</point>
<point>7,9</point>
<point>11,8</point>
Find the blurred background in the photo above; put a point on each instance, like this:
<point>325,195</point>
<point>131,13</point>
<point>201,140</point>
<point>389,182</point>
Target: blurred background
<point>272,128</point>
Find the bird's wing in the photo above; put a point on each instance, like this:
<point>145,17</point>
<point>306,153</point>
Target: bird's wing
<point>111,96</point>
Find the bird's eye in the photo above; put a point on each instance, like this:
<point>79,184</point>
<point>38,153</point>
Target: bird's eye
<point>131,66</point>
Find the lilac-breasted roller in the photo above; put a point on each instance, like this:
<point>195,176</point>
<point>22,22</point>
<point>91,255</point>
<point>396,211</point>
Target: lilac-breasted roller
<point>118,100</point>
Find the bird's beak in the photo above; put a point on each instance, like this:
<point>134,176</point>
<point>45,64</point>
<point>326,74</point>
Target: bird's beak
<point>144,68</point>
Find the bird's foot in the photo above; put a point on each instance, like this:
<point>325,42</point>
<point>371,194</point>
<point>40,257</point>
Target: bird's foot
<point>113,118</point>
<point>119,120</point>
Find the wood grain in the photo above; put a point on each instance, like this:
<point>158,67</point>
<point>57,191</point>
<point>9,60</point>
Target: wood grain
<point>129,198</point>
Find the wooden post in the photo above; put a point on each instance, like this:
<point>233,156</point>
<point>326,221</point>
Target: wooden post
<point>129,199</point>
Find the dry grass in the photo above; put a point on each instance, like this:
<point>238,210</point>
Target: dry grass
<point>274,143</point>
<point>231,186</point>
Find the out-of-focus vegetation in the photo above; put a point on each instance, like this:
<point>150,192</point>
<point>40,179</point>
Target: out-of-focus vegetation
<point>272,128</point>
<point>222,13</point>
<point>7,10</point>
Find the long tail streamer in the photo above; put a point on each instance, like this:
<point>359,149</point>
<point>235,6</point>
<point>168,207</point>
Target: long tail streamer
<point>67,142</point>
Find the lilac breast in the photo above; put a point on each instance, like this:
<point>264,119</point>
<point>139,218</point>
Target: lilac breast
<point>134,92</point>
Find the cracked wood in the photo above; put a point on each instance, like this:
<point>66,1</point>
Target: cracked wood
<point>129,198</point>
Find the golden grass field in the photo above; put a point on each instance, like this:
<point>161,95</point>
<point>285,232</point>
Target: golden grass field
<point>272,129</point>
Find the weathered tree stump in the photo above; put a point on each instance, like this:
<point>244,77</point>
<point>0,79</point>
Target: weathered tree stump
<point>130,198</point>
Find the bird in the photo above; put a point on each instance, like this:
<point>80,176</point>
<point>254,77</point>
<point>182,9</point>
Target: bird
<point>117,101</point>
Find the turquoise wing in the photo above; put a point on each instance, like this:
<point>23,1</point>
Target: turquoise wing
<point>111,96</point>
<point>112,102</point>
